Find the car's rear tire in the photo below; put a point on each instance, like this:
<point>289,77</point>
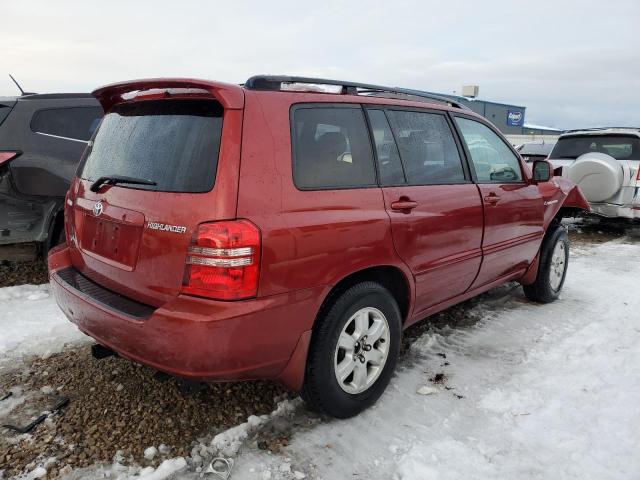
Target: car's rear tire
<point>353,352</point>
<point>552,269</point>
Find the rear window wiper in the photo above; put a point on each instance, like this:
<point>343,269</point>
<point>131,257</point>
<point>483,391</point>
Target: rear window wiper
<point>115,179</point>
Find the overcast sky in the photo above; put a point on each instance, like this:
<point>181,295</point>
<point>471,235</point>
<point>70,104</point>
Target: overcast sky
<point>572,64</point>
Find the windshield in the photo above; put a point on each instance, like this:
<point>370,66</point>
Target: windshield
<point>173,143</point>
<point>620,147</point>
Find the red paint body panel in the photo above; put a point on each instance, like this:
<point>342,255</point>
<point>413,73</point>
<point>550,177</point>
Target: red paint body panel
<point>513,229</point>
<point>454,244</point>
<point>440,239</point>
<point>194,337</point>
<point>309,238</point>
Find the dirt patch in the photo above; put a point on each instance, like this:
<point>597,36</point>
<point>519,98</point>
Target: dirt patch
<point>20,273</point>
<point>593,231</point>
<point>117,407</point>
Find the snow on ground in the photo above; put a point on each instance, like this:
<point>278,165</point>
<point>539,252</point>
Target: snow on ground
<point>549,391</point>
<point>31,323</point>
<point>530,392</point>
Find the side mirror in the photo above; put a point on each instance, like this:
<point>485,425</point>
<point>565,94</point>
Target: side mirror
<point>542,171</point>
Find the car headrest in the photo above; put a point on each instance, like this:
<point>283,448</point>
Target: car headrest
<point>332,143</point>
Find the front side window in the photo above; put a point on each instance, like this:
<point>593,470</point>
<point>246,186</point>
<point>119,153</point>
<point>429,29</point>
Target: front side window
<point>331,149</point>
<point>427,148</point>
<point>74,123</point>
<point>493,161</point>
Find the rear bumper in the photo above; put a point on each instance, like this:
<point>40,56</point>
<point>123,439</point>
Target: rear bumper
<point>199,338</point>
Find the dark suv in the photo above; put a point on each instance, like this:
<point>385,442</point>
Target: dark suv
<point>291,228</point>
<point>42,138</point>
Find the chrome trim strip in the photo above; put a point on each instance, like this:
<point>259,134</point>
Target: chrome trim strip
<point>63,138</point>
<point>220,262</point>
<point>221,252</point>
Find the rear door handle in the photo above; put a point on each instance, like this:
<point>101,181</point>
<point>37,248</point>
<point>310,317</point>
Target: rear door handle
<point>492,198</point>
<point>403,205</point>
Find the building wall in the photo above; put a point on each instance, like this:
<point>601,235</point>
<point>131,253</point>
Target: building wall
<point>509,119</point>
<point>497,113</point>
<point>520,139</point>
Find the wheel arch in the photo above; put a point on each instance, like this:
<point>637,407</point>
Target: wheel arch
<point>562,199</point>
<point>391,277</point>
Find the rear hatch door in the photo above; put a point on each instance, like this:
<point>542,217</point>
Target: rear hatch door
<point>132,238</point>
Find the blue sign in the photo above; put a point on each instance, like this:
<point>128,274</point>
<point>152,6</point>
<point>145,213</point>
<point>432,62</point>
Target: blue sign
<point>515,118</point>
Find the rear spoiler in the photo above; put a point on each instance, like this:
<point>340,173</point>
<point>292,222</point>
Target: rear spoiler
<point>230,96</point>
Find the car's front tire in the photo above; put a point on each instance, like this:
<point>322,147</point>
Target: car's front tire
<point>353,352</point>
<point>552,268</point>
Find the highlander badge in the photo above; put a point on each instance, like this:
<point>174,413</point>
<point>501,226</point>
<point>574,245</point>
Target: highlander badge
<point>166,228</point>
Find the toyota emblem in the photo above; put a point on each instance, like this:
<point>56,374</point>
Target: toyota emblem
<point>97,209</point>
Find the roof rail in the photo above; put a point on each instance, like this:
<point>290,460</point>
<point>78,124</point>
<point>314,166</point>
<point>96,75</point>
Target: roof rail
<point>275,82</point>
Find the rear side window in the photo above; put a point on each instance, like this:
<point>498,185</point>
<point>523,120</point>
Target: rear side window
<point>493,161</point>
<point>174,143</point>
<point>389,164</point>
<point>331,149</point>
<point>75,123</point>
<point>4,112</point>
<point>620,147</point>
<point>427,148</point>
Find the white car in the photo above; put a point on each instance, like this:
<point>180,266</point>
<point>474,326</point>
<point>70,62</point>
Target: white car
<point>605,164</point>
<point>535,150</point>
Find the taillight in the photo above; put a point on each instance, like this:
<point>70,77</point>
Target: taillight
<point>638,175</point>
<point>6,156</point>
<point>223,261</point>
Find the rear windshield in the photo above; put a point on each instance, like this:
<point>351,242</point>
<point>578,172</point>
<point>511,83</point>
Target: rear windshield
<point>620,147</point>
<point>174,143</point>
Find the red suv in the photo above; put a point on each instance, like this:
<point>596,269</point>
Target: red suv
<point>291,228</point>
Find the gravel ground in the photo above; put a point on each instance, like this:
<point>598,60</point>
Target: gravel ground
<point>117,407</point>
<point>34,272</point>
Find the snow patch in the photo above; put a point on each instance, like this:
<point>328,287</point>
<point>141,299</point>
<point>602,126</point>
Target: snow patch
<point>427,390</point>
<point>150,453</point>
<point>16,398</point>
<point>228,443</point>
<point>32,324</point>
<point>164,470</point>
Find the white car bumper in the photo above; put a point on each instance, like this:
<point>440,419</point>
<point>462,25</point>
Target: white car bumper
<point>610,210</point>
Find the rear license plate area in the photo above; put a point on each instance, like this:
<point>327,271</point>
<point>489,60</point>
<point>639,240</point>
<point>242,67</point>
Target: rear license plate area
<point>110,241</point>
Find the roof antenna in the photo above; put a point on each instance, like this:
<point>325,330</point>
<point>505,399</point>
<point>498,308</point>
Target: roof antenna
<point>22,92</point>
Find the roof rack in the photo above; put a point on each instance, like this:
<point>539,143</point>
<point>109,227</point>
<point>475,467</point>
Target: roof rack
<point>275,82</point>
